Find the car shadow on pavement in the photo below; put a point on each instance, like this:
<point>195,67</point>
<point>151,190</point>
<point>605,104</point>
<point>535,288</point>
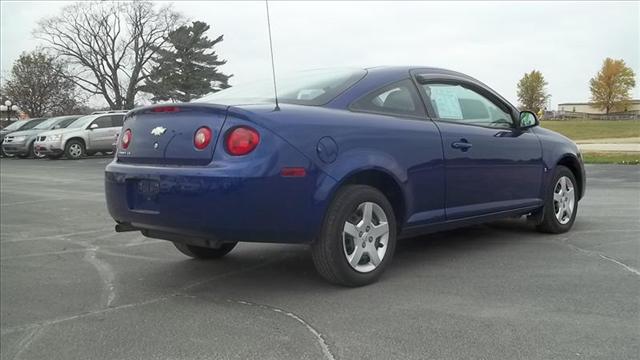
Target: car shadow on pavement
<point>276,270</point>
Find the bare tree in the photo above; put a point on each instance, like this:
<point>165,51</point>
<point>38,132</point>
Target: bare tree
<point>39,86</point>
<point>109,44</point>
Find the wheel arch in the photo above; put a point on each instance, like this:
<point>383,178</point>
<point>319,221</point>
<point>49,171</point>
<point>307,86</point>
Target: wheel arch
<point>575,165</point>
<point>382,180</point>
<point>84,143</point>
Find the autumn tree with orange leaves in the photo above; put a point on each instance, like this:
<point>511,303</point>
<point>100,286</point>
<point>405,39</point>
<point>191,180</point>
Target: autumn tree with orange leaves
<point>612,85</point>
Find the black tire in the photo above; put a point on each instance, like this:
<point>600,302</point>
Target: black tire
<point>327,251</point>
<point>198,252</point>
<point>72,152</point>
<point>549,222</point>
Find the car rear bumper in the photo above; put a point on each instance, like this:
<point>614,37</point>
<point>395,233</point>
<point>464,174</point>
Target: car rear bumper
<point>217,203</point>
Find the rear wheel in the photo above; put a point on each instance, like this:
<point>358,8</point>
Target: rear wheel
<point>561,203</point>
<point>198,252</point>
<point>74,149</point>
<point>358,238</point>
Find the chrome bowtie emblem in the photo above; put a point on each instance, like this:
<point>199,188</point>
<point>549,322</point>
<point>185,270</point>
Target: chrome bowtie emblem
<point>158,131</point>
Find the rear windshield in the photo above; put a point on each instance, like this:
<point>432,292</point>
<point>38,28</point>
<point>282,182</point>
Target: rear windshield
<point>311,87</point>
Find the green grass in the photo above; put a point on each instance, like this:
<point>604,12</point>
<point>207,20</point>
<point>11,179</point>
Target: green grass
<point>626,158</point>
<point>594,129</point>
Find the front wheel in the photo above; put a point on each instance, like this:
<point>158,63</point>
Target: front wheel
<point>358,237</point>
<point>198,252</point>
<point>560,203</point>
<point>74,149</point>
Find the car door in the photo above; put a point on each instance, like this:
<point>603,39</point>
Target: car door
<point>490,164</point>
<point>414,141</point>
<point>101,133</point>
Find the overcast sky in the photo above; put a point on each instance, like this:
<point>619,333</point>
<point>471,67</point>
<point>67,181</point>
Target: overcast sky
<point>496,42</point>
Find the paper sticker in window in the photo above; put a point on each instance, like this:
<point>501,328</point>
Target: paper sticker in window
<point>446,102</point>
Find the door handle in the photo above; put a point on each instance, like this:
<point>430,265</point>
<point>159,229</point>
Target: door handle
<point>462,145</point>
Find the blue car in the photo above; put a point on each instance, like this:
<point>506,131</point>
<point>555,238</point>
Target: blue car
<point>347,161</point>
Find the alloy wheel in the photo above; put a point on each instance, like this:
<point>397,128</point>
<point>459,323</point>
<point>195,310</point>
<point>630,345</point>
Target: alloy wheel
<point>365,237</point>
<point>564,200</point>
<point>75,150</point>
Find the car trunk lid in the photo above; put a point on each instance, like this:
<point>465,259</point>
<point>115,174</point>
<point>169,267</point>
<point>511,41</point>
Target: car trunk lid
<point>164,134</point>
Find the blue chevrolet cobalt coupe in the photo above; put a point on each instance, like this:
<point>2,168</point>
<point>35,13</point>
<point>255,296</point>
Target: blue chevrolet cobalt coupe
<point>349,161</point>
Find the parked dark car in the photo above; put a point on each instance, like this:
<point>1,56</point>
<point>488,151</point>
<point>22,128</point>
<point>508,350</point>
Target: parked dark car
<point>350,161</point>
<point>21,143</point>
<point>17,126</point>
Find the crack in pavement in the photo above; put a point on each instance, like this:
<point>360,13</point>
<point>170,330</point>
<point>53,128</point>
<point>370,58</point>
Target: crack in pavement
<point>179,292</point>
<point>319,338</point>
<point>565,241</point>
<point>27,340</point>
<point>105,271</point>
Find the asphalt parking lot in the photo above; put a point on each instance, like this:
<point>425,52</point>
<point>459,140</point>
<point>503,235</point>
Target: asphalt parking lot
<point>72,288</point>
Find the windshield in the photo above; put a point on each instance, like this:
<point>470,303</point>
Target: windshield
<point>47,124</point>
<point>311,87</point>
<point>31,124</point>
<point>83,121</point>
<point>60,121</point>
<point>15,125</point>
<point>66,122</point>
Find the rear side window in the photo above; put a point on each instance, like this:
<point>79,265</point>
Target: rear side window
<point>400,98</point>
<point>117,120</point>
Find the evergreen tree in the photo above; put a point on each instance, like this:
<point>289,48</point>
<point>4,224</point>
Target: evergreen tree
<point>187,68</point>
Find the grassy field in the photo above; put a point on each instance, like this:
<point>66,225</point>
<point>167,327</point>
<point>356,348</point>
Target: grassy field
<point>594,129</point>
<point>611,158</point>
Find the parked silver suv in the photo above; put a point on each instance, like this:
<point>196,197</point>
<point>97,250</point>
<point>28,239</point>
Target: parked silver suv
<point>86,136</point>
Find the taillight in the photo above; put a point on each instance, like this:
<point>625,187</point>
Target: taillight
<point>242,140</point>
<point>202,138</point>
<point>161,109</point>
<point>126,138</point>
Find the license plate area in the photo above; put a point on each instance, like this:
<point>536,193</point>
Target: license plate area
<point>143,195</point>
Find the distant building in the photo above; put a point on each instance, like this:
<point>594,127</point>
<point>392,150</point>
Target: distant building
<point>590,108</point>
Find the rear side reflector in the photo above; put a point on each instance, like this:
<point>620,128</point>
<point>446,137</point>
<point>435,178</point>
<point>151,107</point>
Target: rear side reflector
<point>162,109</point>
<point>202,138</point>
<point>242,140</point>
<point>293,172</point>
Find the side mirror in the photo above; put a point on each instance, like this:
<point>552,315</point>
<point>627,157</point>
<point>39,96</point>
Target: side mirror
<point>55,127</point>
<point>528,119</point>
<point>93,126</point>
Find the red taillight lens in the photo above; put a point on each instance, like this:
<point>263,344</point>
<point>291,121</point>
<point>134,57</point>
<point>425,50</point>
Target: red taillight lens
<point>242,140</point>
<point>126,138</point>
<point>202,138</point>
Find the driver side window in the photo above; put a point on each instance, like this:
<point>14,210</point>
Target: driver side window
<point>458,104</point>
<point>102,122</point>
